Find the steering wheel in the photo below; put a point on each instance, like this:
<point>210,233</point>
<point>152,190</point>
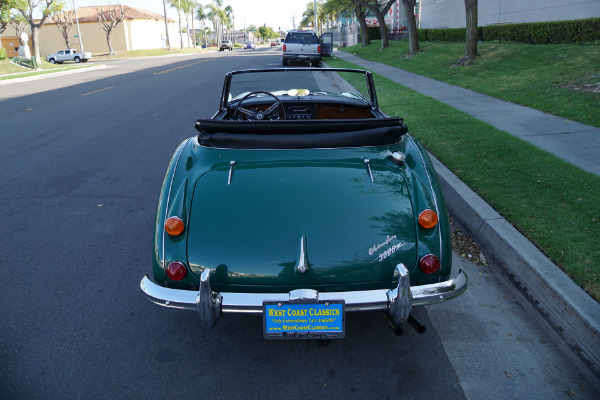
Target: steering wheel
<point>260,115</point>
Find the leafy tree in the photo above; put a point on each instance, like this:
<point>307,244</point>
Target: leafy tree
<point>332,9</point>
<point>4,17</point>
<point>19,23</point>
<point>267,32</point>
<point>472,34</point>
<point>109,17</point>
<point>28,8</point>
<point>64,24</point>
<point>413,39</point>
<point>380,13</point>
<point>361,13</point>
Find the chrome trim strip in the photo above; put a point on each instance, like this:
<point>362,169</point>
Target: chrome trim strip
<point>355,301</point>
<point>169,198</point>
<point>303,263</point>
<point>366,161</point>
<point>437,210</point>
<point>231,169</point>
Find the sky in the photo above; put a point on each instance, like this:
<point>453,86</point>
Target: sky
<point>274,13</point>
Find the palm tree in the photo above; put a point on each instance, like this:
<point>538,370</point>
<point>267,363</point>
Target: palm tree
<point>167,25</point>
<point>207,33</point>
<point>176,4</point>
<point>228,20</point>
<point>193,5</point>
<point>308,17</point>
<point>201,16</point>
<point>215,14</point>
<point>186,6</point>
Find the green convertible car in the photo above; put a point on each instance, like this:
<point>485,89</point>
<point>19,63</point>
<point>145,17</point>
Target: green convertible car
<point>301,200</point>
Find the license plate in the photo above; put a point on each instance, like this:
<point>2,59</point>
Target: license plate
<point>321,320</point>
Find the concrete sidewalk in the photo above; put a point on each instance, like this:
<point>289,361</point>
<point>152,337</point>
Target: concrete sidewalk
<point>572,141</point>
<point>570,313</point>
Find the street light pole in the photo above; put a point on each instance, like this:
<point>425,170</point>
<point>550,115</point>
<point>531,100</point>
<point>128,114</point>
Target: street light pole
<point>244,18</point>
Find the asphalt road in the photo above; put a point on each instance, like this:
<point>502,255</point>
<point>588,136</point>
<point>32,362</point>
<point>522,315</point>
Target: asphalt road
<point>82,158</point>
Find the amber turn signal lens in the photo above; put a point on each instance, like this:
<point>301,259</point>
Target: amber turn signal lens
<point>429,264</point>
<point>176,271</point>
<point>174,226</point>
<point>428,219</point>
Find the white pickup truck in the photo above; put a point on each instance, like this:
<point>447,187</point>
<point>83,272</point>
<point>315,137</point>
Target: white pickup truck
<point>306,46</point>
<point>68,55</point>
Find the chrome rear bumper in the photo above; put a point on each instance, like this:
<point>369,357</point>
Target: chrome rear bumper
<point>397,301</point>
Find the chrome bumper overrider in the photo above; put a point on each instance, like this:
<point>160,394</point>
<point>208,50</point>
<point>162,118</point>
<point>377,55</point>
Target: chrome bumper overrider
<point>397,301</point>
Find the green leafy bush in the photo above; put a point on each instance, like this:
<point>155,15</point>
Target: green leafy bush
<point>552,32</point>
<point>444,35</point>
<point>373,32</point>
<point>3,54</point>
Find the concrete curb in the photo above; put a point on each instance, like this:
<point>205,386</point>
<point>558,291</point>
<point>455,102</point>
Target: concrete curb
<point>568,310</point>
<point>76,71</point>
<point>49,75</point>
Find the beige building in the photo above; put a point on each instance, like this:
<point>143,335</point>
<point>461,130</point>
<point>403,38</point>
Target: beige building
<point>141,29</point>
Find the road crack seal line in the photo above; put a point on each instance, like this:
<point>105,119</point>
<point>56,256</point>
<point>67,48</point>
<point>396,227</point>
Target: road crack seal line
<point>99,90</point>
<point>181,66</point>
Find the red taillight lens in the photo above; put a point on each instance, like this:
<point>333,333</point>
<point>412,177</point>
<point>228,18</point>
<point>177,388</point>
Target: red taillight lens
<point>176,271</point>
<point>284,48</point>
<point>174,226</point>
<point>429,264</point>
<point>428,219</point>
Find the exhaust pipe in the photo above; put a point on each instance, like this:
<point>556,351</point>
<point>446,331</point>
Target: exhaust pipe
<point>419,327</point>
<point>398,331</point>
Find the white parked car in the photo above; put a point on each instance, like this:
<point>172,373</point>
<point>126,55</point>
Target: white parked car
<point>68,55</point>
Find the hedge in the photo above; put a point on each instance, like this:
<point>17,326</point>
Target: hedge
<point>2,53</point>
<point>374,33</point>
<point>552,32</point>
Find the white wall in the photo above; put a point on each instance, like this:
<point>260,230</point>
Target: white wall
<point>148,34</point>
<point>451,13</point>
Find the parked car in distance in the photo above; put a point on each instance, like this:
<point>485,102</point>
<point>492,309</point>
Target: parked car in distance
<point>68,55</point>
<point>226,44</point>
<point>300,200</point>
<point>249,45</point>
<point>273,44</point>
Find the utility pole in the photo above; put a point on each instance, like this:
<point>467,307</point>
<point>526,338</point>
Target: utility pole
<point>316,26</point>
<point>78,30</point>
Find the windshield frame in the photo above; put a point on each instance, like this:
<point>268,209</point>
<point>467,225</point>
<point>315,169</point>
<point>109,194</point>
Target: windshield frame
<point>224,101</point>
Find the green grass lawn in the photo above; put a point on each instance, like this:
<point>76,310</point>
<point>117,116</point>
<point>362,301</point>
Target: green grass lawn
<point>9,70</point>
<point>561,79</point>
<point>550,201</point>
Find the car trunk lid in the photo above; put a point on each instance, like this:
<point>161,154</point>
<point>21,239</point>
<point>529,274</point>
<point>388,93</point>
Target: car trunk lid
<point>258,224</point>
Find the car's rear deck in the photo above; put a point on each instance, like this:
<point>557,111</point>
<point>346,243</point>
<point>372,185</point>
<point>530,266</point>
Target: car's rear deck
<point>300,134</point>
